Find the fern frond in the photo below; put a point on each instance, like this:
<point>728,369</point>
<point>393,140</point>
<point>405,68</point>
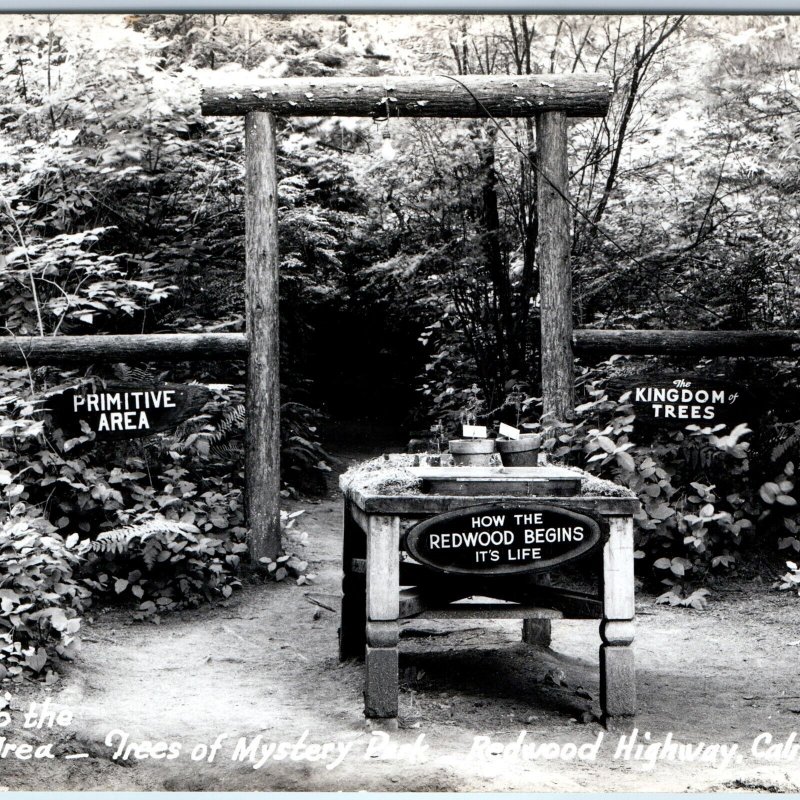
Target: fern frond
<point>792,440</point>
<point>217,427</point>
<point>227,451</point>
<point>129,374</point>
<point>119,540</point>
<point>231,421</point>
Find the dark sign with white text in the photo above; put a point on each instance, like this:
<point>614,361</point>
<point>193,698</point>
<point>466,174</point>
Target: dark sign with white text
<point>125,411</point>
<point>503,538</point>
<point>679,401</point>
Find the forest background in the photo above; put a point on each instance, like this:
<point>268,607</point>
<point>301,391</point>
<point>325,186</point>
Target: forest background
<point>409,286</point>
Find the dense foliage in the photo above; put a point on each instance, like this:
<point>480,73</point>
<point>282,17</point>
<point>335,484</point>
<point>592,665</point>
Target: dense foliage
<point>409,288</point>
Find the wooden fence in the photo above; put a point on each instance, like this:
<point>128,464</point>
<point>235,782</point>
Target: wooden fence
<point>550,99</point>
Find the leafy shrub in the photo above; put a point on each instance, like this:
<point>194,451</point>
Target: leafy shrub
<point>701,494</point>
<point>40,597</point>
<point>790,579</point>
<point>781,507</point>
<point>163,564</point>
<point>289,564</point>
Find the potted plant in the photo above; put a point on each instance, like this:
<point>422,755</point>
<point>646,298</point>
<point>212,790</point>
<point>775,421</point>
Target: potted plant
<point>475,451</point>
<point>521,450</point>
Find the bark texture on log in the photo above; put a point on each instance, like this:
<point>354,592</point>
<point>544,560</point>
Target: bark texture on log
<point>96,349</point>
<point>262,467</point>
<point>765,344</point>
<point>555,275</point>
<point>418,96</point>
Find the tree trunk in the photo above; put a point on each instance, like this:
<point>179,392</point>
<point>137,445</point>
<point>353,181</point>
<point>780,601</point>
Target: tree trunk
<point>501,281</point>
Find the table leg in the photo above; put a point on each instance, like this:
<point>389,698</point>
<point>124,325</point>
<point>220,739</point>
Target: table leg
<point>617,671</point>
<point>383,610</point>
<point>538,631</point>
<point>352,629</point>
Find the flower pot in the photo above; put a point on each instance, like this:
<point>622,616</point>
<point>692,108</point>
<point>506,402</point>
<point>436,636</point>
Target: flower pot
<point>472,452</point>
<point>522,452</point>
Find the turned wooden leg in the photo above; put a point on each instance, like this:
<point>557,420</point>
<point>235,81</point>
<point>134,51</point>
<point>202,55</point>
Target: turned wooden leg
<point>381,681</point>
<point>383,609</point>
<point>617,630</point>
<point>538,631</point>
<point>353,620</point>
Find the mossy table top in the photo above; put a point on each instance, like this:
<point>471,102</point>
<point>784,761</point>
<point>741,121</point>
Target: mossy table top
<point>391,485</point>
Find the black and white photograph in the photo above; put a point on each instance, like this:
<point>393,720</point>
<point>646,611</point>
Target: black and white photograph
<point>399,402</point>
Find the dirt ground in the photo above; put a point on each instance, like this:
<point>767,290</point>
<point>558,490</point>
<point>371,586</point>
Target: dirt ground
<point>264,664</point>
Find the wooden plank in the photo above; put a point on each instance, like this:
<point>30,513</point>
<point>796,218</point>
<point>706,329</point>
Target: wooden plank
<point>510,474</point>
<point>490,611</point>
<point>517,481</point>
<point>417,599</point>
<point>422,504</point>
<point>520,487</point>
<point>427,585</point>
<point>412,602</point>
<point>618,587</point>
<point>555,282</point>
<point>96,349</point>
<point>763,344</point>
<point>262,466</point>
<point>574,605</point>
<point>383,568</point>
<point>576,95</point>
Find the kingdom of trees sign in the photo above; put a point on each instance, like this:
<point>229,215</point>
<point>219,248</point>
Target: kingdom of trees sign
<point>503,539</point>
<point>685,400</point>
<point>127,411</point>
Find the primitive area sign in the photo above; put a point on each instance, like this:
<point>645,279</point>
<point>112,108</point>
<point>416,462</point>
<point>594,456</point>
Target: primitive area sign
<point>126,411</point>
<point>678,401</point>
<point>503,539</point>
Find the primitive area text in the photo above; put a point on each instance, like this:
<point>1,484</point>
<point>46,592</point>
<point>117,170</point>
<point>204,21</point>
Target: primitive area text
<point>124,410</point>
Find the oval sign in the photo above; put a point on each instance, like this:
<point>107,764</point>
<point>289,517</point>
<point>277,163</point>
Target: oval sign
<point>503,538</point>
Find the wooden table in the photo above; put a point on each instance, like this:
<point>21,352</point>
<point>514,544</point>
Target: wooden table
<point>380,588</point>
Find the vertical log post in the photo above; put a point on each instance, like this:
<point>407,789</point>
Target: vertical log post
<point>555,276</point>
<point>262,465</point>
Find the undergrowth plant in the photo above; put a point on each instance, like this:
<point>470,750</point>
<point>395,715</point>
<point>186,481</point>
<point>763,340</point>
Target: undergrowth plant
<point>160,520</point>
<point>41,599</point>
<point>163,565</point>
<point>702,503</point>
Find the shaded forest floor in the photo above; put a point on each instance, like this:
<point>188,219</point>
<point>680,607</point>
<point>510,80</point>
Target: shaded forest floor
<point>265,664</point>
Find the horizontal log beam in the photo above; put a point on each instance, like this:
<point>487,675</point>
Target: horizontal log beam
<point>578,95</point>
<point>36,350</point>
<point>765,344</point>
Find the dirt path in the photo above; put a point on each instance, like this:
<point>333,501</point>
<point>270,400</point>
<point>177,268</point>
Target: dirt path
<point>264,664</point>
